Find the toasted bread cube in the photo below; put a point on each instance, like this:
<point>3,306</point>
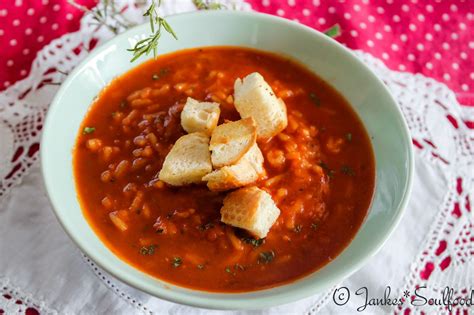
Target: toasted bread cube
<point>252,209</point>
<point>253,97</point>
<point>246,171</point>
<point>200,116</point>
<point>188,161</point>
<point>231,141</point>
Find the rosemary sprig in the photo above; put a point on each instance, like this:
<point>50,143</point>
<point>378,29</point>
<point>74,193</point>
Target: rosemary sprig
<point>157,25</point>
<point>208,5</point>
<point>334,31</point>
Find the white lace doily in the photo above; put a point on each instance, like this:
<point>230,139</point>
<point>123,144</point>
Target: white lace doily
<point>39,265</point>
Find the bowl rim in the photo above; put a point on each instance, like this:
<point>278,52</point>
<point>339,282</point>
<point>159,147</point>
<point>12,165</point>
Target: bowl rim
<point>231,301</point>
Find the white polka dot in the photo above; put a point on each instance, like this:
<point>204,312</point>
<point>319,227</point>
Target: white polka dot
<point>420,46</point>
<point>445,17</point>
<point>389,1</point>
<point>380,10</point>
<point>470,16</point>
<point>454,36</point>
<point>437,55</point>
<point>446,76</point>
<point>465,87</point>
<point>378,35</point>
<point>365,1</point>
<point>55,26</point>
<point>6,84</point>
<point>26,51</point>
<point>414,1</point>
<point>471,45</point>
<point>385,56</point>
<point>322,21</point>
<point>10,63</point>
<point>28,31</point>
<point>453,7</point>
<point>371,19</point>
<point>56,7</point>
<point>387,28</point>
<point>69,16</point>
<point>18,3</point>
<point>354,33</point>
<point>394,47</point>
<point>40,39</point>
<point>455,66</point>
<point>356,7</point>
<point>429,65</point>
<point>43,19</point>
<point>3,12</point>
<point>463,55</point>
<point>13,42</point>
<point>16,22</point>
<point>411,57</point>
<point>437,27</point>
<point>363,25</point>
<point>45,2</point>
<point>429,8</point>
<point>370,43</point>
<point>412,27</point>
<point>23,72</point>
<point>445,46</point>
<point>421,17</point>
<point>332,10</point>
<point>280,12</point>
<point>402,67</point>
<point>2,32</point>
<point>306,12</point>
<point>462,26</point>
<point>30,11</point>
<point>347,16</point>
<point>396,18</point>
<point>429,37</point>
<point>265,3</point>
<point>405,8</point>
<point>471,75</point>
<point>316,3</point>
<point>296,20</point>
<point>403,37</point>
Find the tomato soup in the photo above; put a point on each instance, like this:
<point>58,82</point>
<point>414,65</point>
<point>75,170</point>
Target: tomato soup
<point>319,171</point>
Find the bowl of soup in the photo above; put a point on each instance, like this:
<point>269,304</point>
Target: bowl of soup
<point>337,173</point>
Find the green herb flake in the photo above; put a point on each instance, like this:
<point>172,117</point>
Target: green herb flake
<point>147,250</point>
<point>205,227</point>
<point>329,171</point>
<point>298,228</point>
<point>266,257</point>
<point>160,231</point>
<point>208,5</point>
<point>253,242</point>
<point>227,269</point>
<point>162,73</point>
<point>315,99</point>
<point>347,170</point>
<point>314,226</point>
<point>88,130</point>
<point>200,267</point>
<point>239,267</point>
<point>334,31</point>
<point>177,261</point>
<point>349,137</point>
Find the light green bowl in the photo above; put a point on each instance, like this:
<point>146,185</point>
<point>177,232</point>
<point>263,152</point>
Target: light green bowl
<point>328,59</point>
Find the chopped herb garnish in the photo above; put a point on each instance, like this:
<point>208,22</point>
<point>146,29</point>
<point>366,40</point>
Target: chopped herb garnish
<point>314,226</point>
<point>147,250</point>
<point>177,261</point>
<point>200,266</point>
<point>349,137</point>
<point>347,170</point>
<point>88,130</point>
<point>329,171</point>
<point>334,31</point>
<point>208,5</point>
<point>227,269</point>
<point>163,72</point>
<point>315,99</point>
<point>298,228</point>
<point>155,77</point>
<point>239,267</point>
<point>123,104</point>
<point>266,257</point>
<point>205,227</point>
<point>160,231</point>
<point>253,242</point>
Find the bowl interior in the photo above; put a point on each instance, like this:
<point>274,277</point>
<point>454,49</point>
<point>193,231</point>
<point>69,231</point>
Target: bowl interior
<point>325,57</point>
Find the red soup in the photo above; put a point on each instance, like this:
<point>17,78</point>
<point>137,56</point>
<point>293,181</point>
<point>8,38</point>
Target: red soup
<point>319,171</point>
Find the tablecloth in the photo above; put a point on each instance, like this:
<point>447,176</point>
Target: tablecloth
<point>405,42</point>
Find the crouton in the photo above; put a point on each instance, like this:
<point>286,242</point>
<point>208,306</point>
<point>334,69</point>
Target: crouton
<point>248,170</point>
<point>250,208</point>
<point>253,97</point>
<point>200,116</point>
<point>188,161</point>
<point>231,141</point>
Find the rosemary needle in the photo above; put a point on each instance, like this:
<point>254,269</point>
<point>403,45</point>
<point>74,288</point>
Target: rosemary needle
<point>207,5</point>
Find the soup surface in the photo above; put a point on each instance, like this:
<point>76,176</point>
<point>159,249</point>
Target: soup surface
<point>319,171</point>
